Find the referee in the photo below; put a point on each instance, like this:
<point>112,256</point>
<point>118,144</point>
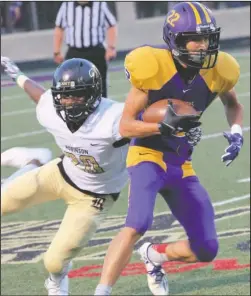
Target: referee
<point>87,25</point>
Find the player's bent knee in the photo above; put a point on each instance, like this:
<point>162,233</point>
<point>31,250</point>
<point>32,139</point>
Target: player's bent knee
<point>53,264</point>
<point>140,223</point>
<point>205,251</point>
<point>144,226</point>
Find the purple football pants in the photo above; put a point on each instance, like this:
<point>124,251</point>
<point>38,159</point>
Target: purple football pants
<point>187,199</point>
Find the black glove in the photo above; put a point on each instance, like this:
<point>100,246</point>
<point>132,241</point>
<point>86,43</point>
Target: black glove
<point>173,122</point>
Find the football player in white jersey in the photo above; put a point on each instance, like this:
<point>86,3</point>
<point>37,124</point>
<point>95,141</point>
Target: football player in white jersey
<point>92,171</point>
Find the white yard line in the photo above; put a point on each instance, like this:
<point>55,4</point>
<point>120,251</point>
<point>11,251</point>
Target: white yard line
<point>232,200</point>
<point>241,54</point>
<point>23,135</point>
<point>243,94</point>
<point>13,97</point>
<point>23,111</point>
<point>216,135</point>
<point>246,180</point>
<point>244,75</point>
<point>239,95</point>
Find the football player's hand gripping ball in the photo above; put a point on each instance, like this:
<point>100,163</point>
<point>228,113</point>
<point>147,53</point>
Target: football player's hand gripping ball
<point>173,122</point>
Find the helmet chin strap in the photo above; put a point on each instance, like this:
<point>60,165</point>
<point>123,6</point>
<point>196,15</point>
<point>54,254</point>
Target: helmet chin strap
<point>175,55</point>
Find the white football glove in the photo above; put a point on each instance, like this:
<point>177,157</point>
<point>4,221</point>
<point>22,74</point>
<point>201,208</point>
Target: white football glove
<point>10,68</point>
<point>194,136</point>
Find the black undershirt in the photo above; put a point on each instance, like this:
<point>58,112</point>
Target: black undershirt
<point>187,74</point>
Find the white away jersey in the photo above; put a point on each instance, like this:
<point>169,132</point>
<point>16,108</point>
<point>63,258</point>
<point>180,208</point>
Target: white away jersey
<point>91,162</point>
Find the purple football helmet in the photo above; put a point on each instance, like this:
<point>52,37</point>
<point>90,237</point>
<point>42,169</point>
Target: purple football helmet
<point>192,21</point>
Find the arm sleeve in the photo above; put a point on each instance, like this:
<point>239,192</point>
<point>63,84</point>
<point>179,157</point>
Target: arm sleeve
<point>42,106</point>
<point>60,19</point>
<point>110,19</point>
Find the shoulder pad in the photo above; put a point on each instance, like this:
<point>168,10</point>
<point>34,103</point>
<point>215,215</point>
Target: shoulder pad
<point>141,65</point>
<point>228,70</point>
<point>149,68</point>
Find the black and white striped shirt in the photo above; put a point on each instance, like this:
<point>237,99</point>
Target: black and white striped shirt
<point>84,25</point>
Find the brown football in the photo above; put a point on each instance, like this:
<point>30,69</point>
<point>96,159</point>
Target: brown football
<point>156,112</point>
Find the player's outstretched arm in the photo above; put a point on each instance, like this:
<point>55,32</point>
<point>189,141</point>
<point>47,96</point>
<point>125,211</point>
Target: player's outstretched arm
<point>234,114</point>
<point>33,89</point>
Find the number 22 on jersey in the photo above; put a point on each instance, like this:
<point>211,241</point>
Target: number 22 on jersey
<point>86,163</point>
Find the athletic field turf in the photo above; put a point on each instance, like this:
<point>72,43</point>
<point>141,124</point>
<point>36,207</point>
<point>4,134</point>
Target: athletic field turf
<point>26,235</point>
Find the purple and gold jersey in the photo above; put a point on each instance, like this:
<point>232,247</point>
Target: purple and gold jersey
<point>153,70</point>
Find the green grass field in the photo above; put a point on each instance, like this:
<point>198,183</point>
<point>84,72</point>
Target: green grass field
<point>26,236</point>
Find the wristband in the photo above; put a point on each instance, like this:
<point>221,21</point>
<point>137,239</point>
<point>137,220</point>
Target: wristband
<point>21,78</point>
<point>236,129</point>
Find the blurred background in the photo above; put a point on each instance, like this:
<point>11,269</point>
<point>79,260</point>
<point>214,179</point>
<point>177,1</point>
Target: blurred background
<point>23,16</point>
<point>139,22</point>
